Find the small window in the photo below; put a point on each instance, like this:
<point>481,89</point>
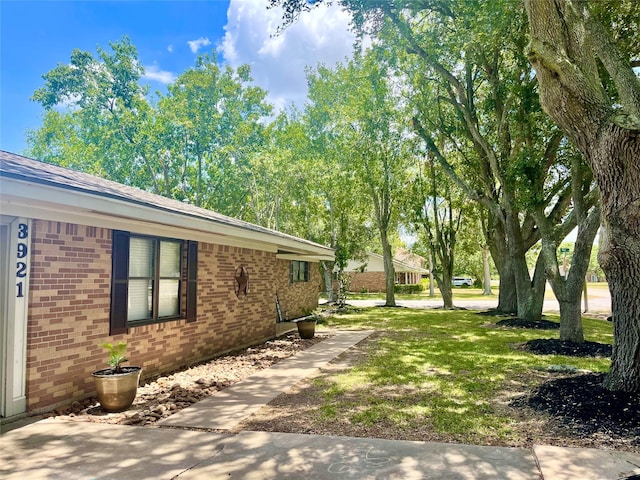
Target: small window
<point>148,279</point>
<point>299,271</point>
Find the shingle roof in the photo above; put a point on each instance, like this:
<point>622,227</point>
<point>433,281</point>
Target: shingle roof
<point>26,169</point>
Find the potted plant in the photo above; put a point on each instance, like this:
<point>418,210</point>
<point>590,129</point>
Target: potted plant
<point>116,385</point>
<point>307,326</point>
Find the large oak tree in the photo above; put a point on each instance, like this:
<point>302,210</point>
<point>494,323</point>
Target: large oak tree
<point>588,86</point>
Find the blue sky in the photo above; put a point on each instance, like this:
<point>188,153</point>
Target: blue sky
<point>37,35</point>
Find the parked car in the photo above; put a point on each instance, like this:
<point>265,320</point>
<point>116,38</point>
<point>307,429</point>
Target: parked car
<point>462,281</point>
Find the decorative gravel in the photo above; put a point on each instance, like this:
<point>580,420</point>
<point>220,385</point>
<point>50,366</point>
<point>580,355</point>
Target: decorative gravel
<point>164,395</point>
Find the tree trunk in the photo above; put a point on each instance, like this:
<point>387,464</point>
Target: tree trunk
<point>526,308</point>
<point>619,257</point>
<point>444,282</point>
<point>507,297</point>
<point>327,274</point>
<point>568,287</point>
<point>446,292</point>
<point>432,292</point>
<point>525,290</point>
<point>389,271</point>
<point>486,270</point>
<point>538,288</point>
<point>571,321</point>
<point>496,240</point>
<point>565,50</point>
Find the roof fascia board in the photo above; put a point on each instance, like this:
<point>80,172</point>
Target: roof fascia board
<point>134,226</point>
<point>305,258</point>
<point>76,202</point>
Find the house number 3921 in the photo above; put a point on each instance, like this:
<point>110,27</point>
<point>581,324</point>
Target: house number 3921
<point>21,264</point>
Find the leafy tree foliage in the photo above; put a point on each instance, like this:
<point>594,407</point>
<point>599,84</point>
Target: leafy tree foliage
<point>191,144</point>
<point>357,103</point>
<point>438,209</point>
<point>473,85</point>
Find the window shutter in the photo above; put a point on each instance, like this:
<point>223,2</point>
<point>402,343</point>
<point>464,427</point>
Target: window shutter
<point>192,281</point>
<point>119,282</point>
<point>306,271</point>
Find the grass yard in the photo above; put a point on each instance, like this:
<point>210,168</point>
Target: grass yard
<point>434,375</point>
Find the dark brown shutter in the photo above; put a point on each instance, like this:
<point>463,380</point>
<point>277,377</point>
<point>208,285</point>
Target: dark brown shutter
<point>307,273</point>
<point>192,281</point>
<point>119,282</point>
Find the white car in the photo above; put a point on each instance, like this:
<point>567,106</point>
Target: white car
<point>462,282</point>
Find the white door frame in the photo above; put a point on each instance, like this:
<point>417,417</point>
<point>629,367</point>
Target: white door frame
<point>15,276</point>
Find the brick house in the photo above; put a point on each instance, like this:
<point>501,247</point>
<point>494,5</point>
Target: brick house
<point>87,261</point>
<point>368,275</point>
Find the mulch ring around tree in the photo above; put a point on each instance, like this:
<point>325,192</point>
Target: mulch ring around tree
<point>533,324</point>
<point>554,346</point>
<point>582,405</point>
<point>519,322</point>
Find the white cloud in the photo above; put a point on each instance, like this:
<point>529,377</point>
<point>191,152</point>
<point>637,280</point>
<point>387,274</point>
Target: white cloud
<point>170,49</point>
<point>278,61</point>
<point>153,72</point>
<point>196,45</point>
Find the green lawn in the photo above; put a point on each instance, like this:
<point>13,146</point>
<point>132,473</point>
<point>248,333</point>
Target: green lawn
<point>448,372</point>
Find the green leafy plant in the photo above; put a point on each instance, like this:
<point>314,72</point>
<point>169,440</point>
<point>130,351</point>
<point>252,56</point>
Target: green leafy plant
<point>116,355</point>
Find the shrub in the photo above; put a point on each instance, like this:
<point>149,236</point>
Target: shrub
<point>410,288</point>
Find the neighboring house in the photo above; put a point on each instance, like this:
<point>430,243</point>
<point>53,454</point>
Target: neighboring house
<point>87,261</point>
<point>593,277</point>
<point>368,275</point>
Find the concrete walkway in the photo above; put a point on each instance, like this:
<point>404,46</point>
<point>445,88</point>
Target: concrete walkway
<point>178,448</point>
<point>227,408</point>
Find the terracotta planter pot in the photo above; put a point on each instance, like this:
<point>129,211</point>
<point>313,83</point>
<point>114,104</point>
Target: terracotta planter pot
<point>116,391</point>
<point>306,328</point>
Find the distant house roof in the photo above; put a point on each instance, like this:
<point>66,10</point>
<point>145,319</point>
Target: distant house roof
<point>375,263</point>
<point>39,190</point>
<point>410,258</point>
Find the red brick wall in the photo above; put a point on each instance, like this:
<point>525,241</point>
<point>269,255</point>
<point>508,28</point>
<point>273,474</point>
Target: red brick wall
<point>371,281</point>
<point>70,300</point>
<point>68,310</point>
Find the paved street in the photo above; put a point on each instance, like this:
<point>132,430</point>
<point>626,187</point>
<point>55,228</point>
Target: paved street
<point>599,301</point>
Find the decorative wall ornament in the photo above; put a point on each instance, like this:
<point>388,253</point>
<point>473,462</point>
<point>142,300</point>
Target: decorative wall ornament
<point>241,281</point>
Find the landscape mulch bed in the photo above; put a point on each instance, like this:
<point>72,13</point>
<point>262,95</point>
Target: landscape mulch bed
<point>554,346</point>
<point>584,408</point>
<point>492,312</point>
<point>532,324</point>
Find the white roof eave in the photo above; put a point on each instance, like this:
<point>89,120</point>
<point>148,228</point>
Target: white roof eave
<point>48,202</point>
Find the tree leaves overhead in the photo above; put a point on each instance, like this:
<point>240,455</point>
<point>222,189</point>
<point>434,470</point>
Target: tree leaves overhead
<point>110,82</point>
<point>194,143</point>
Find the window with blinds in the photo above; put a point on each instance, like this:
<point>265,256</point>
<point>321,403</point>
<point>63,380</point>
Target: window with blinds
<point>154,278</point>
<point>299,271</point>
<point>148,278</point>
